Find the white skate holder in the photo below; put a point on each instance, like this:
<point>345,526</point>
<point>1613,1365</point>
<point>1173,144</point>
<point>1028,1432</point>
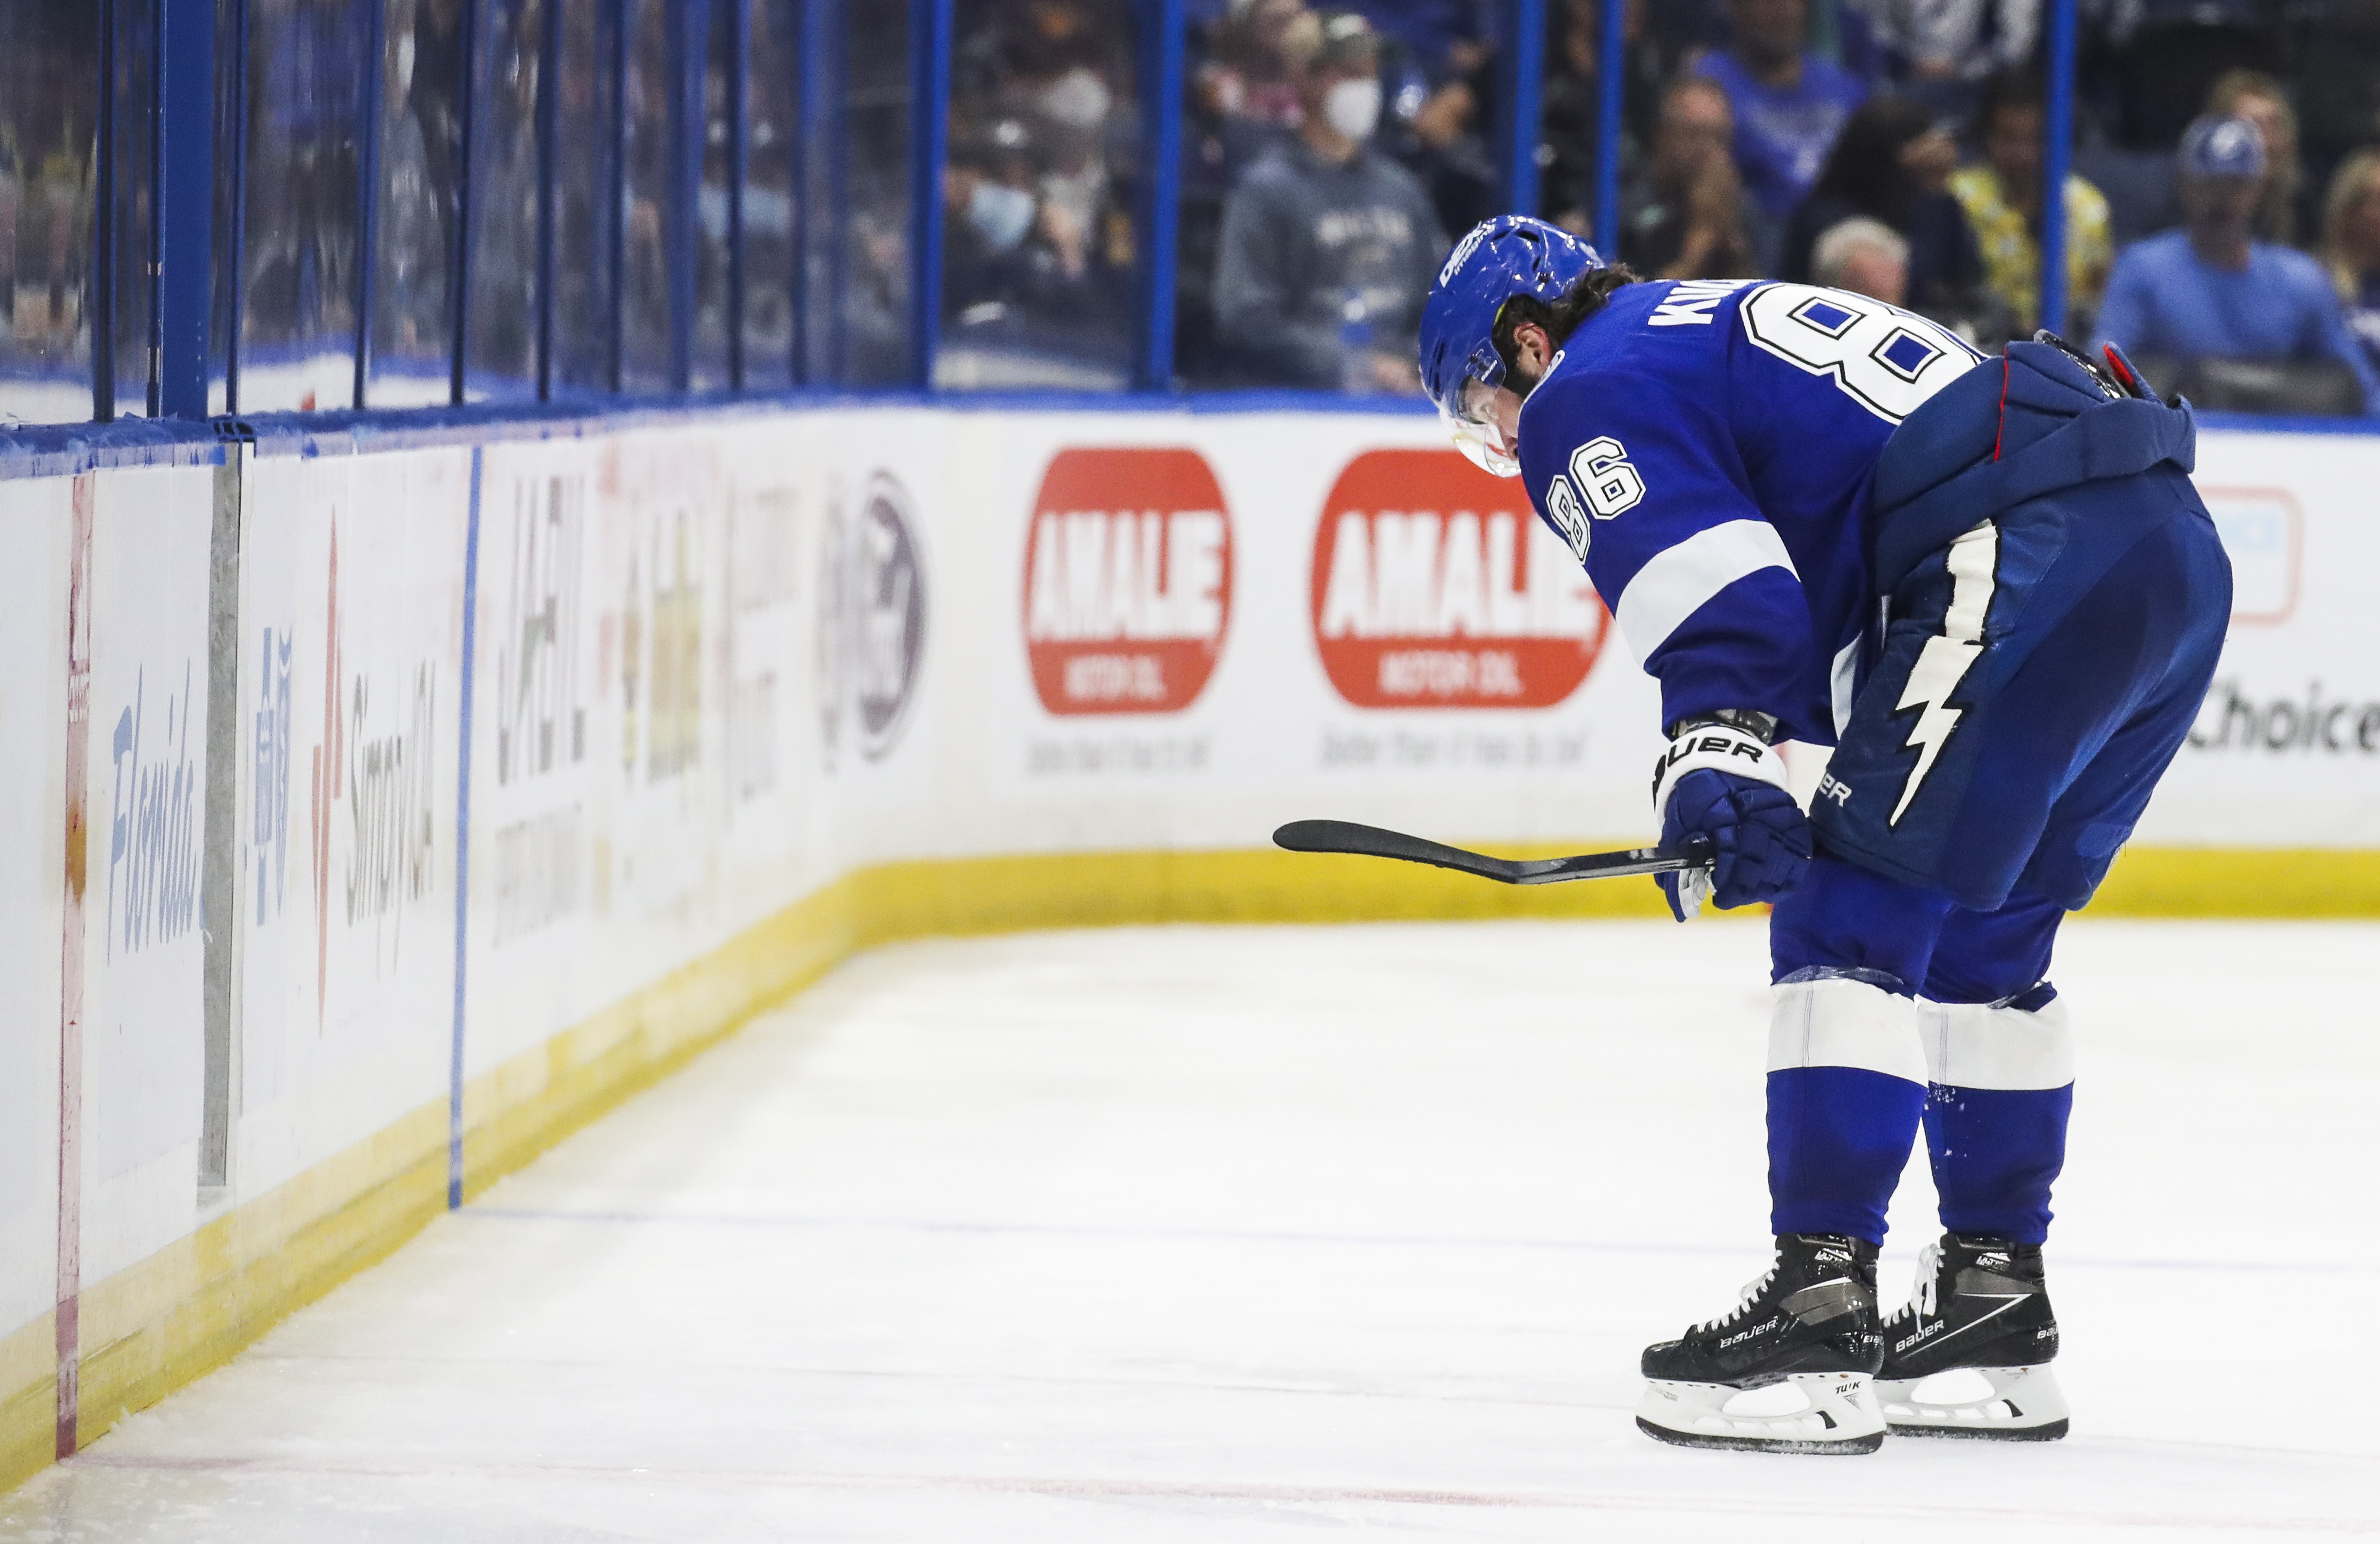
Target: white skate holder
<point>1809,1412</point>
<point>2006,1403</point>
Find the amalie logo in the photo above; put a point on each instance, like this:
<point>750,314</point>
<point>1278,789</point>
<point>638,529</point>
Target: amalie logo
<point>1432,589</point>
<point>1127,581</point>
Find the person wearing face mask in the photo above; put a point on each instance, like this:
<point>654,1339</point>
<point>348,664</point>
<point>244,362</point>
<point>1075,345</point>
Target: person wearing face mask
<point>1009,250</point>
<point>1327,246</point>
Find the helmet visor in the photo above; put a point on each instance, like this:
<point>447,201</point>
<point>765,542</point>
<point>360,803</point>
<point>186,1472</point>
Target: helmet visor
<point>1470,416</point>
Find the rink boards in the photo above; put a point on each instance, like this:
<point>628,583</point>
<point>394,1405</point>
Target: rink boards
<point>384,803</point>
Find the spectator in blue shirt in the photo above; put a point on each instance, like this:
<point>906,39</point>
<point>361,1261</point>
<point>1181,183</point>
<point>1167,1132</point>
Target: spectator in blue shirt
<point>1789,103</point>
<point>2208,290</point>
<point>2350,245</point>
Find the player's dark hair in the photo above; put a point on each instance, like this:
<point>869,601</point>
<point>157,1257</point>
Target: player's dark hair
<point>1560,318</point>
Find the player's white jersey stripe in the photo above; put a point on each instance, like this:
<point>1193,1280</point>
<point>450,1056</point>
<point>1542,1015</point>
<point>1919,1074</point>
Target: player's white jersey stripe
<point>1974,1045</point>
<point>1842,1023</point>
<point>1840,681</point>
<point>1679,582</point>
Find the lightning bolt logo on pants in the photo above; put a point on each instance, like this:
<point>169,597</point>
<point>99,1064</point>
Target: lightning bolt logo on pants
<point>1943,663</point>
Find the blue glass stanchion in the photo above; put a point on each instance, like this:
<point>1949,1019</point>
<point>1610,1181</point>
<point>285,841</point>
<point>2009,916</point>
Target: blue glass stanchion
<point>1525,69</point>
<point>1163,26</point>
<point>367,201</point>
<point>549,114</point>
<point>1611,67</point>
<point>2057,158</point>
<point>931,24</point>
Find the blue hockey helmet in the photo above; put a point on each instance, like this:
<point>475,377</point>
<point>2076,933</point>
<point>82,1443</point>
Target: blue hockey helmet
<point>1500,259</point>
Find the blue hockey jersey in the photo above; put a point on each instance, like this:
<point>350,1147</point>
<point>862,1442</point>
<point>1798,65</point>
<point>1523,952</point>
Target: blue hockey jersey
<point>1707,447</point>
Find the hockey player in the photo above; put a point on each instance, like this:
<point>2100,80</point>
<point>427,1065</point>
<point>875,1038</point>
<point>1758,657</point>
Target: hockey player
<point>1988,584</point>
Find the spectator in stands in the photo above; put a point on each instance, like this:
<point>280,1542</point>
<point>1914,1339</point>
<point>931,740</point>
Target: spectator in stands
<point>2256,97</point>
<point>1943,50</point>
<point>2350,245</point>
<point>1866,257</point>
<point>1248,74</point>
<point>1893,165</point>
<point>1329,247</point>
<point>2003,202</point>
<point>1006,241</point>
<point>2211,289</point>
<point>1788,107</point>
<point>1686,216</point>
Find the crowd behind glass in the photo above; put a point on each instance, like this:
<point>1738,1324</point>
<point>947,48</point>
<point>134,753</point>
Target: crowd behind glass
<point>2223,217</point>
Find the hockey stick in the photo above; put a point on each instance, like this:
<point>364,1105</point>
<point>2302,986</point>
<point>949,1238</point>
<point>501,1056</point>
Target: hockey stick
<point>1345,836</point>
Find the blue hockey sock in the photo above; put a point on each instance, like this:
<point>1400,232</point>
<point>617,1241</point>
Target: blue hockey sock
<point>2003,1084</point>
<point>1846,1090</point>
<point>1996,1153</point>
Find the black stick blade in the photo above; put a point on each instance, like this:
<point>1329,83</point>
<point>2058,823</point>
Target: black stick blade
<point>1346,836</point>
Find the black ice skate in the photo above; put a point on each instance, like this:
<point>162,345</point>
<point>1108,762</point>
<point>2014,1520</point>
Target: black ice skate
<point>1787,1370</point>
<point>1969,1354</point>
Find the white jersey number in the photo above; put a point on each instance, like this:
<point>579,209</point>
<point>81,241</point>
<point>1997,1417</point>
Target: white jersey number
<point>1884,358</point>
<point>1603,473</point>
<point>1612,486</point>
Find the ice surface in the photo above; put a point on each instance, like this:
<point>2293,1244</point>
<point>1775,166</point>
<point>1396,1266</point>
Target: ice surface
<point>1204,1233</point>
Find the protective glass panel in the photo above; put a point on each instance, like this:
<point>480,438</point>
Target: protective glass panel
<point>49,109</point>
<point>127,307</point>
<point>223,271</point>
<point>1040,256</point>
<point>307,75</point>
<point>713,319</point>
<point>1323,165</point>
<point>645,266</point>
<point>501,322</point>
<point>868,306</point>
<point>419,163</point>
<point>769,212</point>
<point>588,215</point>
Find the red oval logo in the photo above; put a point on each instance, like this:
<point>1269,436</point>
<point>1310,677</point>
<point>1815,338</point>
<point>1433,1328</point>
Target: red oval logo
<point>1433,587</point>
<point>1127,581</point>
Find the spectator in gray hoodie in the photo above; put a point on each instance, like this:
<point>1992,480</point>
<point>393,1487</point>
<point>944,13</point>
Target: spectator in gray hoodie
<point>1329,247</point>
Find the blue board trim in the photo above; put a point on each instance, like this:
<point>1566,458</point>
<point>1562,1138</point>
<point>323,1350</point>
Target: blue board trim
<point>62,450</point>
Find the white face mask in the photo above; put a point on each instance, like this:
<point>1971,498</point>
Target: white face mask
<point>1078,99</point>
<point>1000,214</point>
<point>1353,107</point>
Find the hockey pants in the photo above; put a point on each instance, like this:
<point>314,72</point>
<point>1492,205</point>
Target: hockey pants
<point>1912,963</point>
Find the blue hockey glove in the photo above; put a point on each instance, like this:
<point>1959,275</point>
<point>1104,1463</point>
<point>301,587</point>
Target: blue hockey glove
<point>1720,781</point>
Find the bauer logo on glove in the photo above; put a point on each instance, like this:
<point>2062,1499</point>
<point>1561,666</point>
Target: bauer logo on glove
<point>1725,783</point>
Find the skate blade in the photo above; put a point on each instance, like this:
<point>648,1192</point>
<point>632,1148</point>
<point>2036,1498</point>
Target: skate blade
<point>2016,1404</point>
<point>1837,1413</point>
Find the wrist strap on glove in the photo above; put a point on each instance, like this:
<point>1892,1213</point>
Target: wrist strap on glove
<point>1717,747</point>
